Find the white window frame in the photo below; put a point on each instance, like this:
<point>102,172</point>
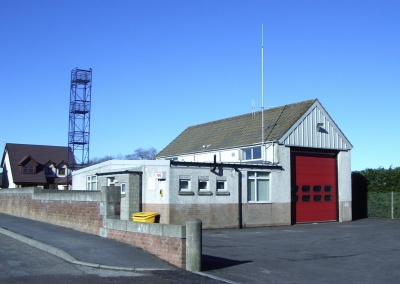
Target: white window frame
<point>206,181</point>
<point>123,188</point>
<point>254,176</point>
<point>189,188</point>
<point>224,183</point>
<point>91,182</point>
<point>251,149</point>
<point>62,174</point>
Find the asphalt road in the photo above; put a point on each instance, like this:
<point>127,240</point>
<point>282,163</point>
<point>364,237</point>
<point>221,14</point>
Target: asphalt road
<point>363,251</point>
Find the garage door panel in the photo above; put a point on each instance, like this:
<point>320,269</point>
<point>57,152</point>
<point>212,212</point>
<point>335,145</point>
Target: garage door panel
<point>315,196</point>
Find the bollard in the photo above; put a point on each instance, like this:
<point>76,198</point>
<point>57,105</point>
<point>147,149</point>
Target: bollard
<point>193,244</point>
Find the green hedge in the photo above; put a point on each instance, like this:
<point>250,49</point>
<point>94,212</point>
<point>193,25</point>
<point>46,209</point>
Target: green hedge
<point>381,180</point>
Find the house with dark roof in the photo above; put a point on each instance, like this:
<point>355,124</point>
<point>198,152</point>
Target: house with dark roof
<point>281,166</point>
<point>35,166</point>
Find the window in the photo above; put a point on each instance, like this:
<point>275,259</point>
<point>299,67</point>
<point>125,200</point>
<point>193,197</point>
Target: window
<point>28,170</point>
<point>317,188</point>
<point>184,185</point>
<point>258,187</point>
<point>91,183</point>
<point>203,184</point>
<point>61,171</point>
<point>123,188</point>
<point>251,153</point>
<point>221,185</point>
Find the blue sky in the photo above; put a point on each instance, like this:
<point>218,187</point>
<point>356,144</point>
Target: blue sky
<point>161,66</point>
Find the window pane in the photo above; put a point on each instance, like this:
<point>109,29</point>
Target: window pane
<point>317,198</point>
<point>328,197</point>
<point>257,153</point>
<point>305,188</point>
<point>262,175</point>
<point>251,174</point>
<point>93,186</point>
<point>220,185</point>
<point>122,188</point>
<point>246,154</point>
<point>251,190</point>
<point>328,188</point>
<point>263,190</point>
<point>203,185</point>
<point>305,198</point>
<point>184,185</point>
<point>317,188</point>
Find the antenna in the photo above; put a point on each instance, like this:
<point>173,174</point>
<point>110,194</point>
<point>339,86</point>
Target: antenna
<point>262,84</point>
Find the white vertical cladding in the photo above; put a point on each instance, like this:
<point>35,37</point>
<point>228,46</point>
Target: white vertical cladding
<point>344,186</point>
<point>307,133</point>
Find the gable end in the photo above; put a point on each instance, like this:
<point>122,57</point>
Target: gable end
<point>316,129</point>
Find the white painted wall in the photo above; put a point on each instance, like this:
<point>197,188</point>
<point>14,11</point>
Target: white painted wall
<point>9,172</point>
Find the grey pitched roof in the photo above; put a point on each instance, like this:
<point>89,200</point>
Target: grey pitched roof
<point>40,154</point>
<point>237,131</point>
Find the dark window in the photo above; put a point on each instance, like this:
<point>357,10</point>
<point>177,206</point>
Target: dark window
<point>317,188</point>
<point>306,198</point>
<point>328,188</point>
<point>28,170</point>
<point>305,188</point>
<point>317,198</point>
<point>295,188</point>
<point>328,197</point>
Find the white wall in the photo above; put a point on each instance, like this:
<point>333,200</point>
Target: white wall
<point>344,186</point>
<point>11,183</point>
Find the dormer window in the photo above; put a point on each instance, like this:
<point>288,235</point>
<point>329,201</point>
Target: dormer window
<point>28,165</point>
<point>61,171</point>
<point>28,170</point>
<point>253,153</point>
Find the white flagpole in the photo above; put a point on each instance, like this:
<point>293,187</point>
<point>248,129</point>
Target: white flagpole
<point>262,84</point>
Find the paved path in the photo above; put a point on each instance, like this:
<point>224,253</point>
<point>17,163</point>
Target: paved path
<point>78,247</point>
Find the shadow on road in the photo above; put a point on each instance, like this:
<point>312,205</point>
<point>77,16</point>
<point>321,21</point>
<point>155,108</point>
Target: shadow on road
<point>209,262</point>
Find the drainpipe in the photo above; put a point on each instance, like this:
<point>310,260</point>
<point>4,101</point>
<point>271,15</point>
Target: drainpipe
<point>240,210</point>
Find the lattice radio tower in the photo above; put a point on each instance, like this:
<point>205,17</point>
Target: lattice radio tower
<point>79,118</point>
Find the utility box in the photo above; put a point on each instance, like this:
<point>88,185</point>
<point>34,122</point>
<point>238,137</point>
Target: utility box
<point>144,217</point>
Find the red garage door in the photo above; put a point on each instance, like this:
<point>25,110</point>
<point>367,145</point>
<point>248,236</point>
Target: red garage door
<point>314,186</point>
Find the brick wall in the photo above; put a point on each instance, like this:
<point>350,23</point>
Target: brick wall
<point>78,215</point>
<point>91,212</point>
<point>172,250</point>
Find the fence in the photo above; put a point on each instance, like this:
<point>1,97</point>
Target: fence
<point>384,205</point>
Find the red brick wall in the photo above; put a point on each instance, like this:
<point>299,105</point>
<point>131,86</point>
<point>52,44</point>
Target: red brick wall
<point>78,215</point>
<point>172,250</point>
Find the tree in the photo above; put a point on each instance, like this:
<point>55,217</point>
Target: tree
<point>143,154</point>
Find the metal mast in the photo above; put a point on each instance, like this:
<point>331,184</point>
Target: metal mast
<point>262,85</point>
<point>79,118</point>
